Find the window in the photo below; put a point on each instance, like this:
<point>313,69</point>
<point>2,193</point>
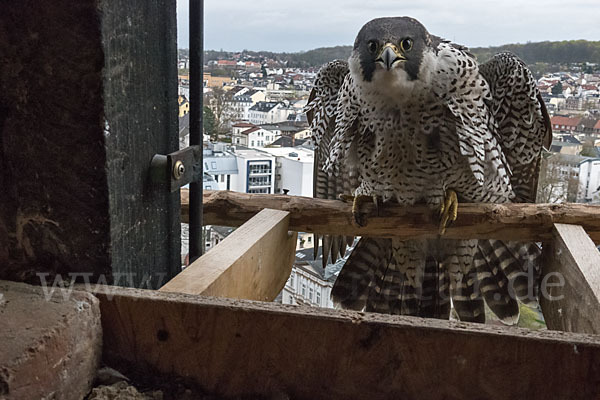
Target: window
<point>309,239</point>
<point>262,190</point>
<point>318,301</point>
<point>292,279</point>
<point>263,168</point>
<point>252,143</point>
<point>310,293</point>
<point>222,178</point>
<point>213,164</point>
<point>259,180</point>
<point>303,290</point>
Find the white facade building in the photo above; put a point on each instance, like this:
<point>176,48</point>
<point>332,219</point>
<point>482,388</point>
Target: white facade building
<point>294,170</point>
<point>257,137</point>
<point>222,166</point>
<point>310,283</point>
<point>268,112</point>
<point>256,170</point>
<point>589,181</point>
<point>307,286</point>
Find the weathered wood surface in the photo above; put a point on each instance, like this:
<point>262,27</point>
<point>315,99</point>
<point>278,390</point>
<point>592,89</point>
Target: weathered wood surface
<point>532,222</point>
<point>139,121</point>
<point>236,347</point>
<point>254,262</point>
<point>570,296</point>
<point>88,94</point>
<point>54,207</point>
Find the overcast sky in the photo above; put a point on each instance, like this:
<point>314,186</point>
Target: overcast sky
<point>290,26</point>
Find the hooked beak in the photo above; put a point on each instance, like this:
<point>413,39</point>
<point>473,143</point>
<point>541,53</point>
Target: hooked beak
<point>389,55</point>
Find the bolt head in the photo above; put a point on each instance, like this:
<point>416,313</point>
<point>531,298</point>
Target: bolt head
<point>178,170</point>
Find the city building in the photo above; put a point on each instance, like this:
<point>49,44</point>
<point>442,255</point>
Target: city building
<point>256,170</point>
<point>253,137</point>
<point>184,105</point>
<point>295,129</point>
<point>309,283</point>
<point>564,124</point>
<point>294,170</point>
<point>221,165</point>
<point>265,112</point>
<point>589,175</point>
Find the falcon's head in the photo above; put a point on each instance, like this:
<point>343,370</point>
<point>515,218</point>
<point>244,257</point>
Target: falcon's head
<point>389,53</point>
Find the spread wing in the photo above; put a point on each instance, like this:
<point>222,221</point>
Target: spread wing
<point>459,85</point>
<point>522,122</point>
<point>340,178</point>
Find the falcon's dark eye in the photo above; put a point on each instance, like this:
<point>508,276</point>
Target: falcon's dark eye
<point>372,46</point>
<point>406,44</point>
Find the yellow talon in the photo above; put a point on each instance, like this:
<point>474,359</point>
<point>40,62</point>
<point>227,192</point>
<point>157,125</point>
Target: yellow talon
<point>448,210</point>
<point>356,202</point>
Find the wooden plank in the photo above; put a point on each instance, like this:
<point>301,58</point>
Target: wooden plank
<point>79,124</point>
<point>237,347</point>
<point>252,263</point>
<point>570,296</point>
<point>139,121</point>
<point>531,222</point>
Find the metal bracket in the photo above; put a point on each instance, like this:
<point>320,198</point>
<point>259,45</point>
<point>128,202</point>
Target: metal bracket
<point>178,168</point>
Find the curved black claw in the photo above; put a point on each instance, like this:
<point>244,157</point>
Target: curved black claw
<point>448,210</point>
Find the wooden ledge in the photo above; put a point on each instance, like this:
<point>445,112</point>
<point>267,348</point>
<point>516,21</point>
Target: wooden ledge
<point>244,348</point>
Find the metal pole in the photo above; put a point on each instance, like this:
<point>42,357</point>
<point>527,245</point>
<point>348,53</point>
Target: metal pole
<point>196,107</point>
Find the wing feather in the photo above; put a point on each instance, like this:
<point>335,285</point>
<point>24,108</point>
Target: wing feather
<point>520,119</point>
<point>331,177</point>
<point>463,90</point>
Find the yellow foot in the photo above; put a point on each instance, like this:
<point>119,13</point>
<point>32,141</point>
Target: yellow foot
<point>448,210</point>
<point>356,203</point>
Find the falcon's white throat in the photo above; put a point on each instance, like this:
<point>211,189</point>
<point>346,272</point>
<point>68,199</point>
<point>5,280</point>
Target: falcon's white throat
<point>395,88</point>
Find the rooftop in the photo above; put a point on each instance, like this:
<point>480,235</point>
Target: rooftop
<point>287,141</point>
<point>286,126</point>
<point>292,153</point>
<point>244,152</point>
<point>243,125</point>
<point>265,106</point>
<point>558,120</point>
<point>249,131</point>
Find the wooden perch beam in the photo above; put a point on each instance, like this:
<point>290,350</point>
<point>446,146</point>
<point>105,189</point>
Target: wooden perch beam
<point>533,222</point>
<point>252,263</point>
<point>570,296</point>
<point>238,348</point>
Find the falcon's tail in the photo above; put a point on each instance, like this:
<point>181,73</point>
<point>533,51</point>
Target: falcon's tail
<point>507,272</point>
<point>393,277</point>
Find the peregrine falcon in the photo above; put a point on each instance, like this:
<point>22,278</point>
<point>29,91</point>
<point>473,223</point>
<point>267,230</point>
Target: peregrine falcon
<point>412,118</point>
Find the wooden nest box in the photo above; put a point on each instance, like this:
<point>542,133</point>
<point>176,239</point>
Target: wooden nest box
<point>88,95</point>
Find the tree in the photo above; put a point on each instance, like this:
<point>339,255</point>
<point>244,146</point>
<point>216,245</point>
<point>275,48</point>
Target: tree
<point>219,103</point>
<point>557,89</point>
<point>264,71</point>
<point>209,123</point>
<point>556,184</point>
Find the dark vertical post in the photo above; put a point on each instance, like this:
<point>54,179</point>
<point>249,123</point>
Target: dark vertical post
<point>196,107</point>
<point>88,95</point>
